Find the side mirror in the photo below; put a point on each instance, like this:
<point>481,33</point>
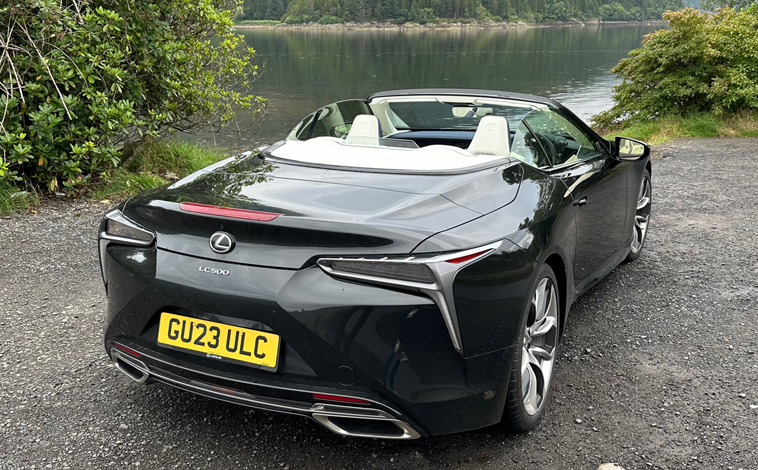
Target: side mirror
<point>630,149</point>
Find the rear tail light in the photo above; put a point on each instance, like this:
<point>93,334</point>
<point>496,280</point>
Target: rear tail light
<point>431,275</point>
<point>127,350</point>
<point>462,259</point>
<point>320,396</point>
<point>414,272</point>
<point>120,229</point>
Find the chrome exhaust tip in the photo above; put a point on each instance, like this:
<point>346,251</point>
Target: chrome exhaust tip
<point>133,368</point>
<point>362,422</point>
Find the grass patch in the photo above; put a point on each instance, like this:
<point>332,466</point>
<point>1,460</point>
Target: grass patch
<point>259,22</point>
<point>152,165</point>
<point>13,201</point>
<point>662,130</point>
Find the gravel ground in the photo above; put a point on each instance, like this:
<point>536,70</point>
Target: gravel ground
<point>658,367</point>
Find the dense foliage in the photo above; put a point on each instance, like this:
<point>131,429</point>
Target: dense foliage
<point>424,11</point>
<point>83,78</point>
<point>736,4</point>
<point>704,63</point>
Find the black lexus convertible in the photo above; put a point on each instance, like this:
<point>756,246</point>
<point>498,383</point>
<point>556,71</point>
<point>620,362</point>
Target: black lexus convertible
<point>397,267</point>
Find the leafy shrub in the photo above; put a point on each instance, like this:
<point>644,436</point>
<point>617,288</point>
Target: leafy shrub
<point>328,19</point>
<point>298,19</point>
<point>89,76</point>
<point>704,63</point>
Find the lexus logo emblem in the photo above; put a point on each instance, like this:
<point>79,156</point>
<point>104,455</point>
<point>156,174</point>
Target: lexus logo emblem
<point>222,242</point>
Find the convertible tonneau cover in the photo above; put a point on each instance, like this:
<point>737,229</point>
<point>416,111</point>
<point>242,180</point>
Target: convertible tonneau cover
<point>435,159</point>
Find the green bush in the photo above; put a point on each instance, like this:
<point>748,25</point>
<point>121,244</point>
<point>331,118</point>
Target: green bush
<point>85,77</point>
<point>328,19</point>
<point>704,63</point>
<point>298,19</point>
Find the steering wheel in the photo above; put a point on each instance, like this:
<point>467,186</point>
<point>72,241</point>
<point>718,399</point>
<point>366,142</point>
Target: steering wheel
<point>549,147</point>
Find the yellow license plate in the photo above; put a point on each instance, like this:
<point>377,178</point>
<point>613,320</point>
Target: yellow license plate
<point>218,340</point>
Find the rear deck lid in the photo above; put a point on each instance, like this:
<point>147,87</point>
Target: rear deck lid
<point>313,211</point>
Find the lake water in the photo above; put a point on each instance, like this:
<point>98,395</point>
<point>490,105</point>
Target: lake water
<point>307,68</point>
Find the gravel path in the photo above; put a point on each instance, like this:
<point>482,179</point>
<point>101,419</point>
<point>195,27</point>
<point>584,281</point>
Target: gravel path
<point>658,367</point>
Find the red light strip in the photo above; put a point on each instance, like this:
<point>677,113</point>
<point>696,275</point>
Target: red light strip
<point>319,396</point>
<point>466,258</point>
<point>127,350</point>
<point>228,212</point>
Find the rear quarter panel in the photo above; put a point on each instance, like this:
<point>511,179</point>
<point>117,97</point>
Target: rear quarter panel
<point>492,295</point>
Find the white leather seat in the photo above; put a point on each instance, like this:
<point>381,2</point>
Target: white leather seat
<point>366,130</point>
<point>492,137</point>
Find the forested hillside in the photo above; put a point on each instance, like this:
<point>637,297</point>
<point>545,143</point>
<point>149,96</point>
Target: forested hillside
<point>425,11</point>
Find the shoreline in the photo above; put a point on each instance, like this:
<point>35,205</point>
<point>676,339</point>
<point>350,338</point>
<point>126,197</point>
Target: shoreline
<point>381,26</point>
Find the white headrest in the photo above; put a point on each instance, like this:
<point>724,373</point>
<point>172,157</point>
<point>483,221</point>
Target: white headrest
<point>492,137</point>
<point>365,130</point>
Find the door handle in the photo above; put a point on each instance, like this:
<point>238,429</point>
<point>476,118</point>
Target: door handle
<point>581,202</point>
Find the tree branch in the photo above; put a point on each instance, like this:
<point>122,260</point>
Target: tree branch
<point>49,72</point>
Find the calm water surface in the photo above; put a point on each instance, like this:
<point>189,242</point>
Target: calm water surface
<point>305,69</point>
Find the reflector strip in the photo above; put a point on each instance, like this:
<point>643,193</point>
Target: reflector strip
<point>319,396</point>
<point>466,258</point>
<point>127,350</point>
<point>228,212</point>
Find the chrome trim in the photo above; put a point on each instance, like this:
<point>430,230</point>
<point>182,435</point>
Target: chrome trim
<point>250,382</point>
<point>222,242</point>
<point>120,357</point>
<point>324,412</point>
<point>440,291</point>
<point>321,412</point>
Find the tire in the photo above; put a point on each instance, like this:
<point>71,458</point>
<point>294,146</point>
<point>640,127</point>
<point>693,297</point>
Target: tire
<point>641,217</point>
<point>533,364</point>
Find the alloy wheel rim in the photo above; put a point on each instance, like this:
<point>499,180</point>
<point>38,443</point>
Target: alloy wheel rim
<point>538,348</point>
<point>642,216</point>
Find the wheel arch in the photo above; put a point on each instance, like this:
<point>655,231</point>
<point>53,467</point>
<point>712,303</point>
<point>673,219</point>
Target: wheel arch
<point>557,264</point>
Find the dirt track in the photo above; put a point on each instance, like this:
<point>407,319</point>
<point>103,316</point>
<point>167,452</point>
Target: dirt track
<point>659,361</point>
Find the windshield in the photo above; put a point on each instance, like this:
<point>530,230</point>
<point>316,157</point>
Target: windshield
<point>439,115</point>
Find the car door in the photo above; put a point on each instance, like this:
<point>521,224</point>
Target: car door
<point>595,181</point>
<point>332,120</point>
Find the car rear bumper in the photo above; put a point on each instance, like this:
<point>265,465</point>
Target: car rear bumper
<point>357,421</point>
<point>389,348</point>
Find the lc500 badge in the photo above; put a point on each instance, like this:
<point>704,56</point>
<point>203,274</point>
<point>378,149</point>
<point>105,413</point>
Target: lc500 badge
<point>209,270</point>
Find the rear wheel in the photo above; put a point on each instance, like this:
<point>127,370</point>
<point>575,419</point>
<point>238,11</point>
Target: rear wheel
<point>532,369</point>
<point>641,217</point>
